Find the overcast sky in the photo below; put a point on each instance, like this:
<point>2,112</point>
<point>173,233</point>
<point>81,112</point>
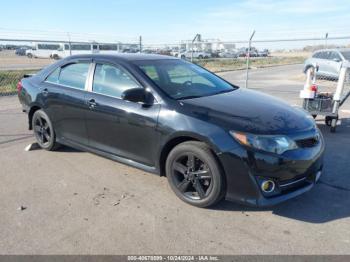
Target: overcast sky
<point>170,21</point>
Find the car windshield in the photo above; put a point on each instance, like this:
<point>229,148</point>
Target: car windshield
<point>346,55</point>
<point>183,80</point>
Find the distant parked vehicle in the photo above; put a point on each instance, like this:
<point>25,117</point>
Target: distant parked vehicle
<point>164,52</point>
<point>228,54</point>
<point>21,51</point>
<point>177,53</point>
<point>263,53</point>
<point>243,52</point>
<point>42,50</point>
<point>149,51</point>
<point>328,61</point>
<point>195,55</point>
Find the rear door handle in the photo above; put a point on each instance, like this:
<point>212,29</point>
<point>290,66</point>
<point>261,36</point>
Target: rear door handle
<point>92,103</point>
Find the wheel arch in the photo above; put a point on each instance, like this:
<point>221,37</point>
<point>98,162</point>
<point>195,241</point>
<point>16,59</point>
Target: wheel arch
<point>32,110</point>
<point>176,140</point>
<point>307,67</point>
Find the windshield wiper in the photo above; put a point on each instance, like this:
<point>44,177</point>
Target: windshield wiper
<point>187,97</point>
<point>223,91</point>
<point>197,96</point>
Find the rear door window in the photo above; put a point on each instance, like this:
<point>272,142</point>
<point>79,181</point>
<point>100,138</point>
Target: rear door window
<point>112,80</point>
<point>74,75</point>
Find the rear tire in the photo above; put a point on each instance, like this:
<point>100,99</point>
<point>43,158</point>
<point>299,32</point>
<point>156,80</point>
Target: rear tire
<point>195,175</point>
<point>43,131</point>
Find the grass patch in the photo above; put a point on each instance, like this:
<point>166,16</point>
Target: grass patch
<point>9,80</point>
<point>220,65</point>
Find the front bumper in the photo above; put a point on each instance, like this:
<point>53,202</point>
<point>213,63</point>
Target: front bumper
<point>294,173</point>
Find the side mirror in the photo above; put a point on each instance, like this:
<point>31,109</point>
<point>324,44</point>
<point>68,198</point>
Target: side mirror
<point>336,60</point>
<point>138,95</point>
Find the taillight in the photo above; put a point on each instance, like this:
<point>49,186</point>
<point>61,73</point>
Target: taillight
<point>19,86</point>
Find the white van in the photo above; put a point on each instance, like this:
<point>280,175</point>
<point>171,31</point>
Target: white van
<point>42,50</point>
<point>74,49</point>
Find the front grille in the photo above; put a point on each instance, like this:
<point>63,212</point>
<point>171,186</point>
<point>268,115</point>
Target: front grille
<point>287,186</point>
<point>308,142</point>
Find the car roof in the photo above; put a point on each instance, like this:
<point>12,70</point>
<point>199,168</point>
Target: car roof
<point>124,56</point>
<point>333,49</point>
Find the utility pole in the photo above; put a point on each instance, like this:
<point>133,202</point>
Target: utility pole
<point>326,38</point>
<point>198,36</point>
<point>140,44</point>
<point>248,58</point>
<point>70,45</point>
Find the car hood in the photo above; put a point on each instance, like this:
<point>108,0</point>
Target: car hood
<point>249,111</point>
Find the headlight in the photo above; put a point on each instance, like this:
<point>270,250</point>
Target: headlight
<point>273,144</point>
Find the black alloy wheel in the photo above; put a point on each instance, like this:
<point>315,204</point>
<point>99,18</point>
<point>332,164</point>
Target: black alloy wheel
<point>43,131</point>
<point>194,174</point>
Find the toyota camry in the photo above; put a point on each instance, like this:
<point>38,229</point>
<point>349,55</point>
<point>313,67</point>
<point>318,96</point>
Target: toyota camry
<point>210,138</point>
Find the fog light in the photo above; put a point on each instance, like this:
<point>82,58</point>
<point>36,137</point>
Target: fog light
<point>268,186</point>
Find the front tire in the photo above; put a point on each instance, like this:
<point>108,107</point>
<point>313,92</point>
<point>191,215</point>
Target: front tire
<point>195,175</point>
<point>43,131</point>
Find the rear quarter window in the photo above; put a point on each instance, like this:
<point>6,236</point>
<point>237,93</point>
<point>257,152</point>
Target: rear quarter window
<point>53,77</point>
<point>72,75</point>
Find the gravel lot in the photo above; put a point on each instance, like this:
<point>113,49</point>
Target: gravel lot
<point>79,203</point>
<point>10,61</point>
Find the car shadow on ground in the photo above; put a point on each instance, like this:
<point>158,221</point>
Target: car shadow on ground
<point>67,149</point>
<point>330,198</point>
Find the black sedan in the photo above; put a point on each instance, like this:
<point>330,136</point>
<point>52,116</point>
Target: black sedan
<point>212,139</point>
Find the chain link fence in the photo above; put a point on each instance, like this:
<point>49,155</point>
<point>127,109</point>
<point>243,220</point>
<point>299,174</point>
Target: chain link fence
<point>254,63</point>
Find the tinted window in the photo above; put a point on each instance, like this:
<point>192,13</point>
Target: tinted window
<point>346,54</point>
<point>74,75</point>
<point>151,72</point>
<point>53,77</point>
<point>109,47</point>
<point>112,80</point>
<point>48,47</point>
<point>81,47</point>
<point>180,74</point>
<point>316,55</point>
<point>324,55</point>
<point>182,80</point>
<point>334,55</point>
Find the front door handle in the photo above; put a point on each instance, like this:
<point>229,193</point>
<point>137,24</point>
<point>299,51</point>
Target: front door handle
<point>45,91</point>
<point>92,103</point>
